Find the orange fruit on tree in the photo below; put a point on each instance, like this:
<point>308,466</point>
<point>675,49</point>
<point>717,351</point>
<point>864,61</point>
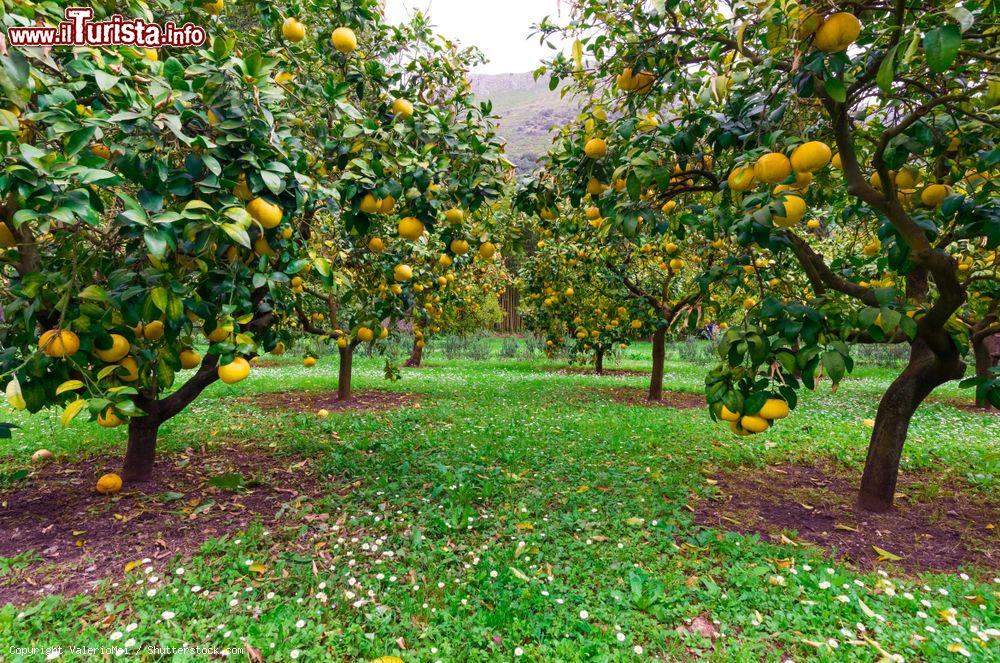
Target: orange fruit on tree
<point>59,343</point>
<point>189,359</point>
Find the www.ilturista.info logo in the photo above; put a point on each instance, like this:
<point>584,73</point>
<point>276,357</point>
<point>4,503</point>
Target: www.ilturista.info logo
<point>79,30</point>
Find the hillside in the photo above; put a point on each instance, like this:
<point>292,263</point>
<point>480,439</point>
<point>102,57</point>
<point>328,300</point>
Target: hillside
<point>527,110</point>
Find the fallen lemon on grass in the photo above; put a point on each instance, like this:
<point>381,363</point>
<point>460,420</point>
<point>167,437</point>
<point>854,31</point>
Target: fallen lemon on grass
<point>323,414</point>
<point>109,484</point>
<point>42,456</point>
<point>309,362</point>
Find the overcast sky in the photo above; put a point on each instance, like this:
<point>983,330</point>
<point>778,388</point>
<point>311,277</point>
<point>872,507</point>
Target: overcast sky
<point>500,28</point>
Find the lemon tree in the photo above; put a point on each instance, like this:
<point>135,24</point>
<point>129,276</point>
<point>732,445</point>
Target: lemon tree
<point>666,266</point>
<point>851,153</point>
<point>156,204</point>
<point>391,221</point>
<point>566,301</point>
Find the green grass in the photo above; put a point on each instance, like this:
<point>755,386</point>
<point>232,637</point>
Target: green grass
<point>527,519</point>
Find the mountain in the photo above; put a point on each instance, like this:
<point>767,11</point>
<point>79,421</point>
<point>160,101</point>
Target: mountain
<point>527,109</point>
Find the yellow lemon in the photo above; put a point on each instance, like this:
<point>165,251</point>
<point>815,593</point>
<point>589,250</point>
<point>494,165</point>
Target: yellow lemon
<point>120,347</point>
<point>293,30</point>
<point>344,40</point>
<point>934,195</point>
<point>410,228</point>
<point>402,108</point>
<point>487,250</point>
<point>774,408</point>
<point>772,168</point>
<point>402,273</point>
<point>309,362</point>
<point>376,245</point>
<point>596,148</point>
<point>837,32</point>
<point>459,247</point>
<point>153,331</point>
<point>754,424</point>
<point>236,370</point>
<point>365,335</point>
<point>741,179</point>
<point>108,419</point>
<point>268,215</point>
<point>795,209</point>
<point>727,415</point>
<point>370,204</point>
<point>132,366</point>
<point>111,483</point>
<point>454,215</point>
<point>810,157</point>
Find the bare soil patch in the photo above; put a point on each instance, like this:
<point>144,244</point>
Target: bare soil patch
<point>677,400</point>
<point>79,537</point>
<point>956,528</point>
<point>372,400</point>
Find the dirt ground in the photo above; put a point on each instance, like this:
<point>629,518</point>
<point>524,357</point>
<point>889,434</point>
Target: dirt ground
<point>79,537</point>
<point>371,400</point>
<point>953,529</point>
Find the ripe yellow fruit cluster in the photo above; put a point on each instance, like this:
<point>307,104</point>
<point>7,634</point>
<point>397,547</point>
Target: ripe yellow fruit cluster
<point>758,422</point>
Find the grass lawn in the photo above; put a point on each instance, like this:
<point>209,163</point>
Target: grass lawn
<point>514,512</point>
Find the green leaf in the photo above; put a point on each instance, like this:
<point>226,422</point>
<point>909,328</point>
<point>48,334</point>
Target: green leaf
<point>835,88</point>
<point>833,364</point>
<point>887,70</point>
<point>105,81</point>
<point>941,47</point>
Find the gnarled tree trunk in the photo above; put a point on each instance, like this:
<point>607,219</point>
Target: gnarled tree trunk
<point>140,454</point>
<point>984,362</point>
<point>416,355</point>
<point>659,355</point>
<point>141,451</point>
<point>925,372</point>
<point>599,362</point>
<point>344,375</point>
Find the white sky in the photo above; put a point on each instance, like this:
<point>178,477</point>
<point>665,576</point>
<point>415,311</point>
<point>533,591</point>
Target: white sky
<point>500,28</point>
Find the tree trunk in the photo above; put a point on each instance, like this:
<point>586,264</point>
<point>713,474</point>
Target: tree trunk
<point>659,354</point>
<point>416,355</point>
<point>599,362</point>
<point>922,375</point>
<point>984,362</point>
<point>141,451</point>
<point>344,376</point>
